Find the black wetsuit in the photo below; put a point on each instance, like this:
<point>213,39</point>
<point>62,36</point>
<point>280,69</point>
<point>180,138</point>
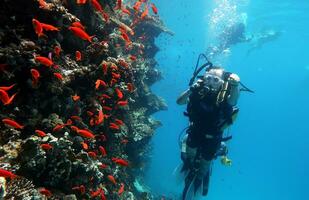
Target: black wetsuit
<point>206,120</point>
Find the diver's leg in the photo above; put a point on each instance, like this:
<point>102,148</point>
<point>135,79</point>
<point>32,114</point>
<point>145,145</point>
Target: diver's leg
<point>204,169</point>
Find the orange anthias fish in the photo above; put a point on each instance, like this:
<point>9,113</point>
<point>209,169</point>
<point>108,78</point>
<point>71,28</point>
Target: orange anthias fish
<point>122,103</point>
<point>7,174</point>
<point>37,27</point>
<point>99,83</point>
<point>119,93</point>
<point>44,61</point>
<point>40,133</point>
<point>79,25</point>
<point>35,74</point>
<point>48,27</point>
<point>85,133</point>
<point>130,87</point>
<point>100,118</point>
<point>46,146</point>
<point>154,8</point>
<point>58,127</point>
<point>102,150</point>
<point>137,6</point>
<point>113,126</point>
<point>57,50</point>
<point>84,145</point>
<point>112,179</point>
<point>58,76</point>
<point>78,55</point>
<point>120,161</point>
<point>119,5</point>
<point>104,68</point>
<point>6,88</point>
<point>121,189</point>
<point>80,33</point>
<point>4,97</point>
<point>145,13</point>
<point>12,123</point>
<point>45,192</point>
<point>75,97</point>
<point>80,2</point>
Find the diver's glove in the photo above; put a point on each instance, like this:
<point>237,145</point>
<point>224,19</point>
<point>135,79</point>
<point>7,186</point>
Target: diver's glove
<point>225,161</point>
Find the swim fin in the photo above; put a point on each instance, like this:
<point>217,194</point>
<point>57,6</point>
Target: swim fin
<point>206,183</point>
<point>188,191</point>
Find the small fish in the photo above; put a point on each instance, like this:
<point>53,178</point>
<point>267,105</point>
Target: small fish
<point>130,87</point>
<point>12,123</point>
<point>40,133</point>
<point>58,76</point>
<point>154,8</point>
<point>35,74</point>
<point>107,108</point>
<point>74,128</point>
<point>119,5</point>
<point>57,50</point>
<point>103,166</point>
<point>106,96</point>
<point>122,103</point>
<point>46,146</point>
<point>45,192</point>
<point>133,58</point>
<point>58,127</point>
<point>84,145</point>
<point>79,25</point>
<point>48,27</point>
<point>100,118</point>
<point>81,2</point>
<point>80,33</point>
<point>145,13</point>
<point>75,117</point>
<point>112,179</point>
<point>123,63</point>
<point>78,55</point>
<point>125,11</point>
<point>121,189</point>
<point>113,82</point>
<point>99,83</point>
<point>37,27</point>
<point>85,133</point>
<point>97,6</point>
<point>119,122</point>
<point>125,36</point>
<point>120,161</point>
<point>115,75</point>
<point>104,68</point>
<point>44,61</point>
<point>96,193</point>
<point>7,174</point>
<point>114,67</point>
<point>92,154</point>
<point>7,88</point>
<point>102,150</point>
<point>137,6</point>
<point>113,126</point>
<point>81,188</point>
<point>75,97</point>
<point>5,98</point>
<point>119,93</point>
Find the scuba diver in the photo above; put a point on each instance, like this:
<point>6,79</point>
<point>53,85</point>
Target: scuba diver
<point>211,108</point>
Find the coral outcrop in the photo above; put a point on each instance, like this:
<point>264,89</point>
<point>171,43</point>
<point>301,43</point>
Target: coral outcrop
<point>75,97</point>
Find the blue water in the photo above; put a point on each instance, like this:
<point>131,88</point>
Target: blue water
<point>270,136</point>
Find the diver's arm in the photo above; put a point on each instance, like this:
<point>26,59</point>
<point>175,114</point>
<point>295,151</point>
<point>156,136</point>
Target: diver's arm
<point>234,89</point>
<point>183,98</point>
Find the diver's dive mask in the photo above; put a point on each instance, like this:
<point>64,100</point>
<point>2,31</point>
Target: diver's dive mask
<point>213,80</point>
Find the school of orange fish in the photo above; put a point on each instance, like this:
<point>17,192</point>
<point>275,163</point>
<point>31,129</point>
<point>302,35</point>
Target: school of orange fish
<point>113,88</point>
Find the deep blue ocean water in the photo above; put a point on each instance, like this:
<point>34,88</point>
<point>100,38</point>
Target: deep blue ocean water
<point>270,141</point>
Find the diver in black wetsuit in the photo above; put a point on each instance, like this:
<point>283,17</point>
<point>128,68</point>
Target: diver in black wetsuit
<point>211,108</point>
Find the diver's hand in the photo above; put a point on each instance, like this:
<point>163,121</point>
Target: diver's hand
<point>234,79</point>
<point>197,84</point>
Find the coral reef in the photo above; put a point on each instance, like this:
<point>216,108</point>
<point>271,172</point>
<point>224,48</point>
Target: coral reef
<point>75,98</point>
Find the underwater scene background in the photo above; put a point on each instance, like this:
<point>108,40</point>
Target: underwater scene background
<point>88,93</point>
<point>270,136</point>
